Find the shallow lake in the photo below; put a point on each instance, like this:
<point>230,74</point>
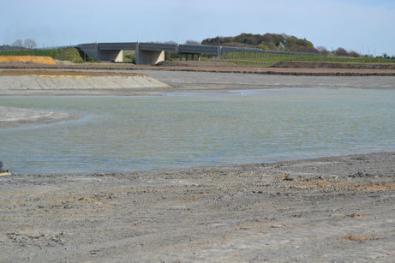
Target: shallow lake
<point>177,130</point>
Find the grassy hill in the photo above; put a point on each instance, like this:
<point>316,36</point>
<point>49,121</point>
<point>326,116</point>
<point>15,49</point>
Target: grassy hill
<point>314,59</point>
<point>279,42</point>
<point>293,51</point>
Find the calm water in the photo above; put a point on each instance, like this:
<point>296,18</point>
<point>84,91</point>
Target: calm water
<point>185,129</point>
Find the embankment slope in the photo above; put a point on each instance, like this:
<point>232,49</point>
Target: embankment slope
<point>46,82</point>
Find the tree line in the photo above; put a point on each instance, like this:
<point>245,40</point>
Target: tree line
<point>26,43</point>
<point>277,42</point>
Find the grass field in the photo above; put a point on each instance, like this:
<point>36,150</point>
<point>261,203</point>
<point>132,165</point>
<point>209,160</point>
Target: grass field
<point>270,59</point>
<point>65,54</point>
<point>240,58</point>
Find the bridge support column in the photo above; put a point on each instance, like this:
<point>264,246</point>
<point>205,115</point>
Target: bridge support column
<point>144,57</point>
<point>111,55</point>
<point>92,51</point>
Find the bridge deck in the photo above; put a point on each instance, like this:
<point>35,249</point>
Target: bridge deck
<point>112,51</point>
<point>172,48</point>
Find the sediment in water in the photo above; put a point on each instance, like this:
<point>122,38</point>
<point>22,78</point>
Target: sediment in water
<point>11,116</point>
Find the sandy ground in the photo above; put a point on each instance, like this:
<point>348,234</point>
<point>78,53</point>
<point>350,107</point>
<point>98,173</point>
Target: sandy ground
<point>181,80</point>
<point>11,116</point>
<point>28,59</point>
<point>219,67</point>
<point>338,209</point>
<point>62,82</point>
<point>154,82</point>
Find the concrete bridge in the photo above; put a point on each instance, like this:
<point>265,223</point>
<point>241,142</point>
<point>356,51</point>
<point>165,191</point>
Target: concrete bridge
<point>152,53</point>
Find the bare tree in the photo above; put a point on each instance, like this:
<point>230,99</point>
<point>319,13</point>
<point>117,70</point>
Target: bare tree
<point>341,52</point>
<point>323,50</point>
<point>192,42</point>
<point>353,53</point>
<point>18,43</point>
<point>29,43</point>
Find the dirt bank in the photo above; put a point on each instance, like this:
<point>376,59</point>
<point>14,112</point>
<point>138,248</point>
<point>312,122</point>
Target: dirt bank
<point>148,82</point>
<point>215,67</point>
<point>67,73</point>
<point>63,82</point>
<point>333,65</point>
<point>44,60</point>
<point>338,209</point>
<point>181,80</point>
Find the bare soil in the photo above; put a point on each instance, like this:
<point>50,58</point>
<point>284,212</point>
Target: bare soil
<point>218,67</point>
<point>53,82</point>
<point>66,73</point>
<point>338,209</point>
<point>295,64</point>
<point>48,82</point>
<point>45,60</point>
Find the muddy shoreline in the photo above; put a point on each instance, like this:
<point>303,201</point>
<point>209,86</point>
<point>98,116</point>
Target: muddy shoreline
<point>156,82</point>
<point>335,209</point>
<point>306,70</point>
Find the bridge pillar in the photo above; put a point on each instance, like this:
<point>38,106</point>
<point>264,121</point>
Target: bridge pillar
<point>144,57</point>
<point>111,55</point>
<point>92,51</point>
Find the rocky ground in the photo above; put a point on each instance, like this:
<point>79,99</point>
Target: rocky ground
<point>338,209</point>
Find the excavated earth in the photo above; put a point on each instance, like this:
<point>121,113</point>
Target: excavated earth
<point>338,209</point>
<point>72,82</point>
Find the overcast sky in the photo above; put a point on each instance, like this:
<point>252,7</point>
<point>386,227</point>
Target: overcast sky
<point>367,26</point>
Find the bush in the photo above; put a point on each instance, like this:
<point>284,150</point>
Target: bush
<point>268,41</point>
<point>341,52</point>
<point>129,56</point>
<point>68,54</point>
<point>354,54</point>
<point>323,50</point>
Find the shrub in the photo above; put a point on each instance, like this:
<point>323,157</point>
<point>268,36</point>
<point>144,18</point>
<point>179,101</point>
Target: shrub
<point>341,52</point>
<point>268,41</point>
<point>68,54</point>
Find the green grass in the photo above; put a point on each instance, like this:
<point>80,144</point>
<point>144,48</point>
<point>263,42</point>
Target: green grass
<point>129,56</point>
<point>67,54</point>
<point>269,59</point>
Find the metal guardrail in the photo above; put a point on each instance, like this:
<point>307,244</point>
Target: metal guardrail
<point>158,47</point>
<point>199,49</point>
<point>225,49</point>
<point>116,46</point>
<point>172,48</point>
